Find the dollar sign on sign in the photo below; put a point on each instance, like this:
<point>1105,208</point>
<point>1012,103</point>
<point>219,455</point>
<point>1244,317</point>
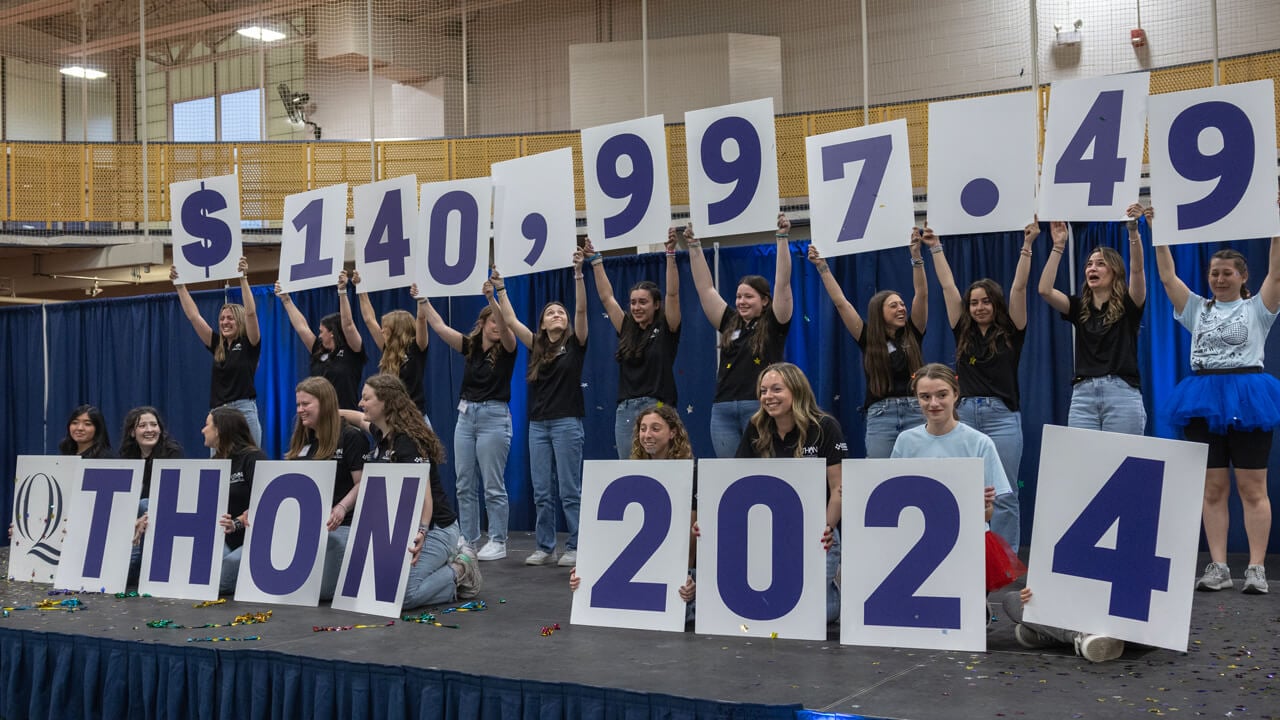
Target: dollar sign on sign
<point>215,236</point>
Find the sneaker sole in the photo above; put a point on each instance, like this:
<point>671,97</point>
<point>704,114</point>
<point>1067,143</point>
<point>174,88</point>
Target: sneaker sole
<point>1102,649</point>
<point>1211,587</point>
<point>1253,590</point>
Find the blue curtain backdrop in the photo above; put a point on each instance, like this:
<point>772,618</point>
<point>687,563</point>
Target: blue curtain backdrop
<point>121,353</point>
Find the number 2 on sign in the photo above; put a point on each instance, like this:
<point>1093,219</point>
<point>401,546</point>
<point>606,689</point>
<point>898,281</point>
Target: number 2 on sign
<point>616,587</point>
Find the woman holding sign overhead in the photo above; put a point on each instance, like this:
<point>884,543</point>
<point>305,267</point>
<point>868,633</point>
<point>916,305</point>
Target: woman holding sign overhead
<point>1229,401</point>
<point>556,408</point>
<point>648,337</point>
<point>789,423</point>
<point>482,437</point>
<point>235,348</point>
<point>752,335</point>
<point>989,336</point>
<point>402,339</point>
<point>1107,389</point>
<point>441,569</point>
<point>890,341</point>
<point>337,351</point>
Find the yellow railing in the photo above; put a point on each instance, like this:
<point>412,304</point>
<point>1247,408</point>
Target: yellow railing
<point>102,182</point>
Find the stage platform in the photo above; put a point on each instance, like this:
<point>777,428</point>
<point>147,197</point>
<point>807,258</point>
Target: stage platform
<point>104,661</point>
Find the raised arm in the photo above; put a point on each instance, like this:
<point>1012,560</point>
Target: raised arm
<point>1056,298</point>
<point>508,313</point>
<point>947,280</point>
<point>1270,290</point>
<point>1177,290</point>
<point>580,323</point>
<point>1137,267</point>
<point>1018,290</point>
<point>251,330</point>
<point>671,304</point>
<point>920,284</point>
<point>370,317</point>
<point>713,305</point>
<point>203,331</point>
<point>296,319</point>
<point>783,304</point>
<point>492,288</point>
<point>844,308</point>
<point>349,329</point>
<point>604,288</point>
<point>451,337</point>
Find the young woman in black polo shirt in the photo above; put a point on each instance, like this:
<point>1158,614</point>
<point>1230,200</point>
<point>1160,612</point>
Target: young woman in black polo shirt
<point>752,335</point>
<point>402,340</point>
<point>236,348</point>
<point>441,571</point>
<point>556,408</point>
<point>1107,389</point>
<point>86,434</point>
<point>648,337</point>
<point>227,434</point>
<point>319,433</point>
<point>482,437</point>
<point>337,351</point>
<point>989,336</point>
<point>890,341</point>
<point>789,423</point>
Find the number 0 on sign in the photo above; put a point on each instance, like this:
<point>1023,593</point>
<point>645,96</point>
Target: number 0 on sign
<point>454,227</point>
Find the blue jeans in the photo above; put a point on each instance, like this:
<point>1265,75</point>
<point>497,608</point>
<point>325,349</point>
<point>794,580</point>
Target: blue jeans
<point>886,419</point>
<point>833,566</point>
<point>991,417</point>
<point>431,580</point>
<point>230,569</point>
<point>728,422</point>
<point>555,447</point>
<point>335,548</point>
<point>1107,403</point>
<point>249,408</point>
<point>481,441</point>
<point>624,421</point>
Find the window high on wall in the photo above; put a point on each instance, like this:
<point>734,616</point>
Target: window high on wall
<point>232,117</point>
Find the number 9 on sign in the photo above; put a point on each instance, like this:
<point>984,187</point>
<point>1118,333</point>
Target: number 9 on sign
<point>733,168</point>
<point>624,172</point>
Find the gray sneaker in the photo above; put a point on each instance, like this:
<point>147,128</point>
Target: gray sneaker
<point>1098,648</point>
<point>468,580</point>
<point>1255,580</point>
<point>1029,638</point>
<point>568,559</point>
<point>1217,576</point>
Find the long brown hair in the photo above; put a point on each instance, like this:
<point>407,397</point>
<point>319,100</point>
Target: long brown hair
<point>760,338</point>
<point>328,429</point>
<point>475,338</point>
<point>804,410</point>
<point>400,415</point>
<point>1114,309</point>
<point>631,344</point>
<point>234,435</point>
<point>1002,327</point>
<point>400,332</point>
<point>545,351</point>
<point>875,351</point>
<point>237,312</point>
<point>680,449</point>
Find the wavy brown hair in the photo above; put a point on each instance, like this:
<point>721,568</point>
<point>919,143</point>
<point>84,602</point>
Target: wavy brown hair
<point>400,333</point>
<point>545,350</point>
<point>875,353</point>
<point>631,344</point>
<point>1114,309</point>
<point>166,446</point>
<point>1002,327</point>
<point>328,429</point>
<point>759,339</point>
<point>804,411</point>
<point>400,415</point>
<point>475,338</point>
<point>234,435</point>
<point>220,348</point>
<point>680,449</point>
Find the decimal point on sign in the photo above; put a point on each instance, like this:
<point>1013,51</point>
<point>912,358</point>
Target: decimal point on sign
<point>979,197</point>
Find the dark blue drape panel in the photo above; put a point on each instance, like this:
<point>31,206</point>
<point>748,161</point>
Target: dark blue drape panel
<point>22,393</point>
<point>52,675</point>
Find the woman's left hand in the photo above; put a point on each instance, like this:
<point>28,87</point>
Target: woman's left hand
<point>784,225</point>
<point>828,538</point>
<point>336,516</point>
<point>342,281</point>
<point>989,497</point>
<point>242,267</point>
<point>415,549</point>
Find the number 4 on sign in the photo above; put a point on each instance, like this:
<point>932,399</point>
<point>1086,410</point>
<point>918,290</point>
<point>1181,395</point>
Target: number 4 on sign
<point>386,229</point>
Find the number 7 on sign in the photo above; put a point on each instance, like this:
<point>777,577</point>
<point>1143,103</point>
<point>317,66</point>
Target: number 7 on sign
<point>867,207</point>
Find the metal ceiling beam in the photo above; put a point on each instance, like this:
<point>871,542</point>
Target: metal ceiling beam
<point>187,27</point>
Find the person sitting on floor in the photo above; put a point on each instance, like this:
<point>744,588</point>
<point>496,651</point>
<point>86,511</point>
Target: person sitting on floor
<point>1091,647</point>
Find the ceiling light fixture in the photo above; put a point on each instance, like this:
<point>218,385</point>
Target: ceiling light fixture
<point>261,33</point>
<point>85,73</point>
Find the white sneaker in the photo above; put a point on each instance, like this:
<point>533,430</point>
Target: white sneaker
<point>540,557</point>
<point>492,550</point>
<point>1098,648</point>
<point>568,559</point>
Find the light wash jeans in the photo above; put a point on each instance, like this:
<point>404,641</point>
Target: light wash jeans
<point>555,448</point>
<point>249,408</point>
<point>991,417</point>
<point>230,569</point>
<point>431,580</point>
<point>481,441</point>
<point>833,567</point>
<point>335,548</point>
<point>1107,403</point>
<point>624,422</point>
<point>728,421</point>
<point>886,419</point>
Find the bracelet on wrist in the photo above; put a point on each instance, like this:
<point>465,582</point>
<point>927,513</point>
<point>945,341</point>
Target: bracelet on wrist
<point>781,235</point>
<point>671,253</point>
<point>422,528</point>
<point>1057,250</point>
<point>917,262</point>
<point>423,301</point>
<point>1026,252</point>
<point>578,276</point>
<point>935,249</point>
<point>823,268</point>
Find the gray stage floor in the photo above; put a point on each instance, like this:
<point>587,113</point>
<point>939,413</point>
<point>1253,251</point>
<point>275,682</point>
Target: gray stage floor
<point>1229,671</point>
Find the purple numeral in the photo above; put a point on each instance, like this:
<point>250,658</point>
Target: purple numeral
<point>743,171</point>
<point>616,587</point>
<point>636,186</point>
<point>387,241</point>
<point>1231,168</point>
<point>1100,130</point>
<point>312,219</point>
<point>874,154</point>
<point>895,603</point>
<point>786,513</point>
<point>454,201</point>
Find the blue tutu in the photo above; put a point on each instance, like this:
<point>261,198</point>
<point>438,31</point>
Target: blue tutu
<point>1249,401</point>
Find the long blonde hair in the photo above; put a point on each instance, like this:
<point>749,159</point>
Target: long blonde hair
<point>804,410</point>
<point>328,430</point>
<point>237,311</point>
<point>400,333</point>
<point>1114,309</point>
